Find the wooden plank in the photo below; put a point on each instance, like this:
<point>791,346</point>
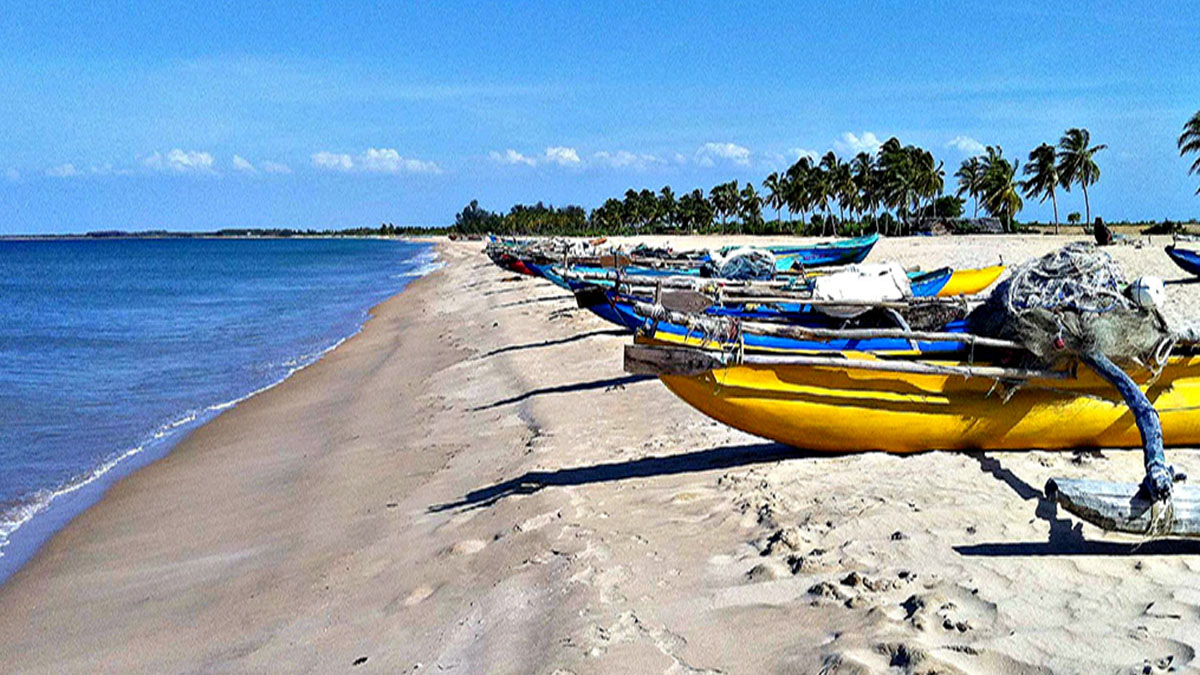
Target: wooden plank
<point>913,367</point>
<point>687,302</point>
<point>658,361</point>
<point>1124,507</point>
<point>694,361</point>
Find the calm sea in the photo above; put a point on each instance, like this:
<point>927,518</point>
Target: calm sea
<point>111,350</point>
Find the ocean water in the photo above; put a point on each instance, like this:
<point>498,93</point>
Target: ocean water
<point>111,350</point>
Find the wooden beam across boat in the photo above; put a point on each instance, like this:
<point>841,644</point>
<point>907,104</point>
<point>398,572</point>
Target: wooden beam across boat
<point>1125,507</point>
<point>690,361</point>
<point>714,325</point>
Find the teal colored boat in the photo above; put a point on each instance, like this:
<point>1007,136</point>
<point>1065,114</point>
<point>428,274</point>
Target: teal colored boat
<point>845,252</point>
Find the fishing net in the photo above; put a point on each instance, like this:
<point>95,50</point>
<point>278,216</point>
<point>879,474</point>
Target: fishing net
<point>741,264</point>
<point>1072,302</point>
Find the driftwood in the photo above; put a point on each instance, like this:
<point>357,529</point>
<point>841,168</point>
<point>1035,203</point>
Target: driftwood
<point>1126,507</point>
<point>713,325</point>
<point>655,360</point>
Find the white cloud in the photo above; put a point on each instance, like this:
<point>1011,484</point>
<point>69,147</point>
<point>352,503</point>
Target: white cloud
<point>623,159</point>
<point>181,161</point>
<point>562,156</point>
<point>274,167</point>
<point>330,160</point>
<point>710,153</point>
<point>388,160</point>
<point>555,154</point>
<point>966,144</point>
<point>511,156</point>
<point>374,160</point>
<point>62,171</point>
<point>241,164</point>
<point>12,174</point>
<point>849,143</point>
<point>797,153</point>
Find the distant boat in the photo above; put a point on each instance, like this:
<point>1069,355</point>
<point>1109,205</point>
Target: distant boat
<point>1186,259</point>
<point>845,252</point>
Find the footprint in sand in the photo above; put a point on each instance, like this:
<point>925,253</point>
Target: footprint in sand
<point>466,547</point>
<point>418,595</point>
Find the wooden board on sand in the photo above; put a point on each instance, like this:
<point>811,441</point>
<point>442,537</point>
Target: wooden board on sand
<point>1123,507</point>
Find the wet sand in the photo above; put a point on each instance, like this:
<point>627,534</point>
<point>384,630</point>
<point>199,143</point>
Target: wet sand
<point>474,484</point>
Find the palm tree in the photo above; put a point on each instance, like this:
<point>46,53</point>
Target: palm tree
<point>725,200</point>
<point>797,192</point>
<point>899,180</point>
<point>930,177</point>
<point>1189,141</point>
<point>864,171</point>
<point>750,205</point>
<point>843,187</point>
<point>1000,194</point>
<point>829,184</point>
<point>1076,163</point>
<point>695,212</point>
<point>1043,177</point>
<point>970,180</point>
<point>775,187</point>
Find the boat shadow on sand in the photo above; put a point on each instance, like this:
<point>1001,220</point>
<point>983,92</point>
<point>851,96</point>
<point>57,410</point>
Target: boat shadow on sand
<point>1065,538</point>
<point>609,383</point>
<point>1066,535</point>
<point>552,343</point>
<point>646,467</point>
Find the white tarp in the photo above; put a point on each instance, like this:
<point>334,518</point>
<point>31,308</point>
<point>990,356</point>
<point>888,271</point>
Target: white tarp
<point>875,282</point>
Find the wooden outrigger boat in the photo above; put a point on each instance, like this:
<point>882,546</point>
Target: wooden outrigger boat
<point>630,311</point>
<point>860,401</point>
<point>842,400</point>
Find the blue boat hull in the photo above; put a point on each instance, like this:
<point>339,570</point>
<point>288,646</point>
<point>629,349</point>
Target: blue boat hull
<point>618,309</point>
<point>622,314</point>
<point>849,252</point>
<point>1188,261</point>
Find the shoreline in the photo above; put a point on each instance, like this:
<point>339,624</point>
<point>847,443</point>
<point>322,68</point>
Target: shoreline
<point>473,483</point>
<point>59,506</point>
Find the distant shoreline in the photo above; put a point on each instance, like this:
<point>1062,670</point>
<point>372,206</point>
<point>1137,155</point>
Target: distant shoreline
<point>205,235</point>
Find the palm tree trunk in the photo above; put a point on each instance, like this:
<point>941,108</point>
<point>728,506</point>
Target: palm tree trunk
<point>1087,207</point>
<point>1054,201</point>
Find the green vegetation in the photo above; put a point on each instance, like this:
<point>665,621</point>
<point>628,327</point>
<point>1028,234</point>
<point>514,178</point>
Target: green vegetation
<point>1043,177</point>
<point>897,190</point>
<point>1075,164</point>
<point>1189,142</point>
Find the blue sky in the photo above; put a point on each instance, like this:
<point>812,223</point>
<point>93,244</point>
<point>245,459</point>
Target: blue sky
<point>195,116</point>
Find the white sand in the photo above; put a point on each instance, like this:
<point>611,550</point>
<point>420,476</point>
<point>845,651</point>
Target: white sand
<point>474,485</point>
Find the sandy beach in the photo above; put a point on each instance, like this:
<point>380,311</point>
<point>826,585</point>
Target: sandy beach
<point>473,484</point>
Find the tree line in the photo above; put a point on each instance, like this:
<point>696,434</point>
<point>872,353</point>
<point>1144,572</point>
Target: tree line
<point>892,190</point>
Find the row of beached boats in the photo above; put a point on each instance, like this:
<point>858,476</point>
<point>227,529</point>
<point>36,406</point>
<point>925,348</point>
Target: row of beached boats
<point>815,348</point>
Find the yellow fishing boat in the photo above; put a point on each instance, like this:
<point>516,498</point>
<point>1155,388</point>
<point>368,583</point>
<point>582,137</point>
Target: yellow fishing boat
<point>970,282</point>
<point>850,407</point>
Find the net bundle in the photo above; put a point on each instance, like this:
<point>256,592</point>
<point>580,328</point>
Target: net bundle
<point>741,264</point>
<point>1072,302</point>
